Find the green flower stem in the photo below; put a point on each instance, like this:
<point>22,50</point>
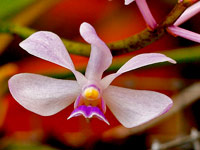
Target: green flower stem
<point>176,12</point>
<point>130,44</point>
<point>182,55</point>
<point>77,48</point>
<point>147,36</point>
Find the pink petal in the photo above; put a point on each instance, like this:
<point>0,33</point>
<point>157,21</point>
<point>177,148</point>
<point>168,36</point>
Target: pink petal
<point>135,107</point>
<point>43,95</point>
<point>184,33</point>
<point>188,13</point>
<point>100,56</point>
<point>127,2</point>
<point>48,46</point>
<point>134,63</point>
<point>146,13</point>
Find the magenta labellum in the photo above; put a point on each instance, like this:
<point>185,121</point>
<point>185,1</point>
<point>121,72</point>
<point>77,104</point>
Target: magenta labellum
<point>88,112</point>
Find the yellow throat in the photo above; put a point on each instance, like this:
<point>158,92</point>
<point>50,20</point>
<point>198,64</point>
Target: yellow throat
<point>91,93</point>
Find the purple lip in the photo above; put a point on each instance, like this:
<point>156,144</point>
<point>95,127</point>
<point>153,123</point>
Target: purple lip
<point>88,112</point>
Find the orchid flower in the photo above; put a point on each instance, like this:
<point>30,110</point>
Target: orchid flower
<point>146,13</point>
<point>90,93</point>
<point>187,14</point>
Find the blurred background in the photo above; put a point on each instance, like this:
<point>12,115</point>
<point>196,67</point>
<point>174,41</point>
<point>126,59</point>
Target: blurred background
<point>21,129</point>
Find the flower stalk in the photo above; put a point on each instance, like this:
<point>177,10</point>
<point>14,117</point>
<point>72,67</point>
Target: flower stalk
<point>135,42</point>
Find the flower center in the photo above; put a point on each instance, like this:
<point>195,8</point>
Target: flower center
<point>91,93</point>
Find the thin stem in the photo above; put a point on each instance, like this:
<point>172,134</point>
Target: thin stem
<point>77,48</point>
<point>182,55</point>
<point>146,37</point>
<point>177,12</point>
<point>130,44</point>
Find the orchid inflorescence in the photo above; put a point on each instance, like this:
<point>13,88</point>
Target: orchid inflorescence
<point>90,93</point>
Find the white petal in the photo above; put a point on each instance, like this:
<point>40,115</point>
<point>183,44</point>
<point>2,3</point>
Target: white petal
<point>135,107</point>
<point>188,13</point>
<point>127,2</point>
<point>134,63</point>
<point>49,46</point>
<point>184,33</point>
<point>100,56</point>
<point>146,13</point>
<point>43,95</point>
